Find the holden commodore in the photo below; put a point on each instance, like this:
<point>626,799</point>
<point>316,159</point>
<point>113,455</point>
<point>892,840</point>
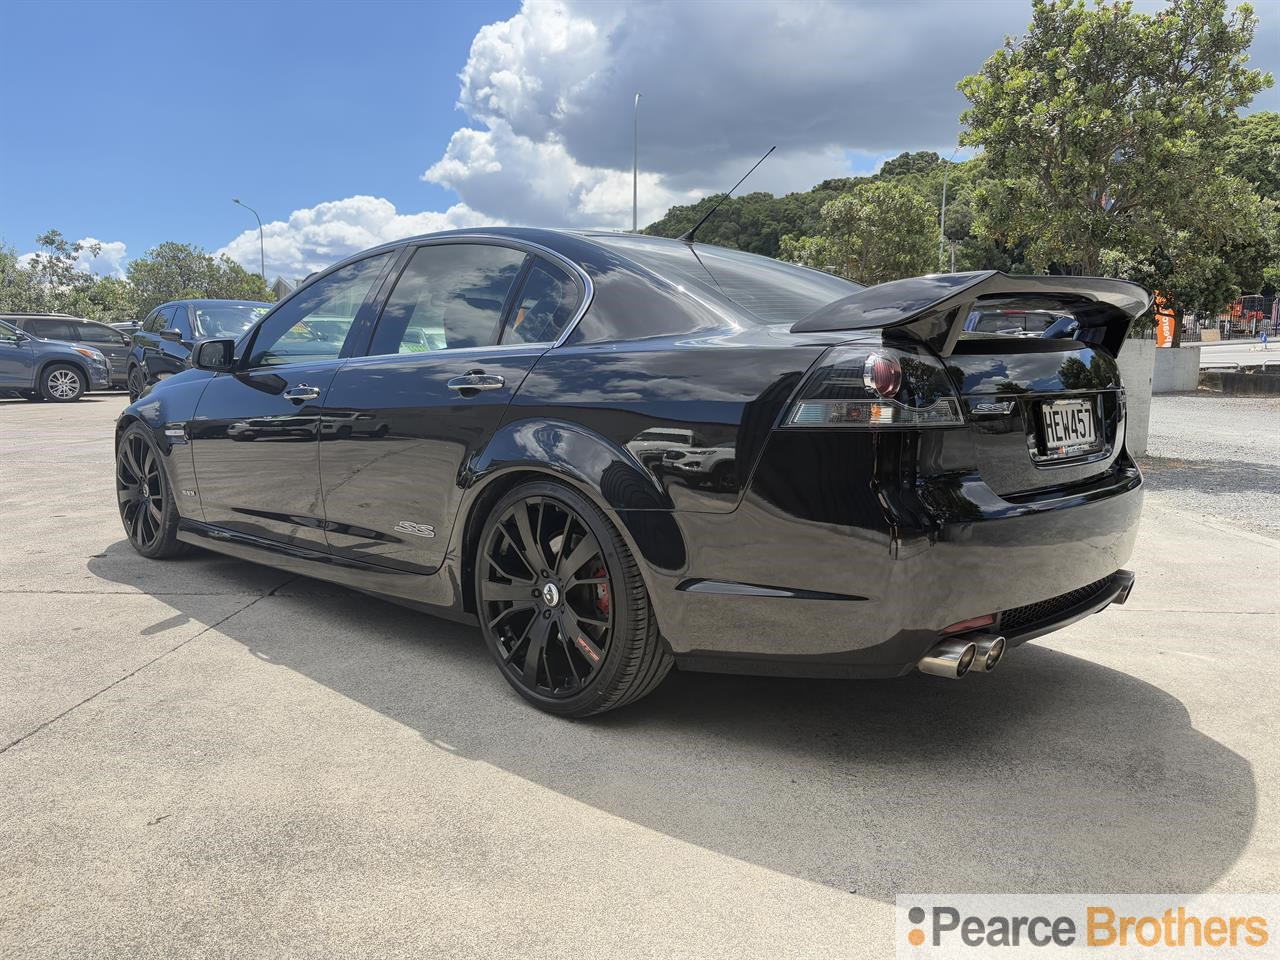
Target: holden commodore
<point>495,431</point>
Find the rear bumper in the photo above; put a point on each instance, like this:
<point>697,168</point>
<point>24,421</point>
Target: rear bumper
<point>772,593</point>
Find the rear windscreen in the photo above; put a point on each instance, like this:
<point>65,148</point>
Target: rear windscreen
<point>1020,317</point>
<point>771,290</point>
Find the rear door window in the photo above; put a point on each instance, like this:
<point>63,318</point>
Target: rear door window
<point>450,296</point>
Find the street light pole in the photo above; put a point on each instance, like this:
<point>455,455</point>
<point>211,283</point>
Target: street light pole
<point>262,249</point>
<point>635,166</point>
<point>942,222</point>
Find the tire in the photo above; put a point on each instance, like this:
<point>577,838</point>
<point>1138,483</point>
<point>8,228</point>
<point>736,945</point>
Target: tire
<point>576,636</point>
<point>62,383</point>
<point>145,499</point>
<point>135,382</point>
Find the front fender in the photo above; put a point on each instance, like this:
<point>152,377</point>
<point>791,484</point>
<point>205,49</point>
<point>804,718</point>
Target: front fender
<point>165,409</point>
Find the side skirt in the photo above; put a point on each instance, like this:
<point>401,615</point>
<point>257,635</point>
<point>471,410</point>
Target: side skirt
<point>437,594</point>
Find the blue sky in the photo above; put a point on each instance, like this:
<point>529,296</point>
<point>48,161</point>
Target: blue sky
<point>139,121</point>
<point>351,123</point>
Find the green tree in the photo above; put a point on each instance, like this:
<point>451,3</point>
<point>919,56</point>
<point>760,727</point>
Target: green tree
<point>1251,151</point>
<point>54,281</point>
<point>880,231</point>
<point>180,271</point>
<point>16,282</point>
<point>1099,123</point>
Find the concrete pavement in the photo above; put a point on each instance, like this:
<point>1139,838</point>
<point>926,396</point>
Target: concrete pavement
<point>207,758</point>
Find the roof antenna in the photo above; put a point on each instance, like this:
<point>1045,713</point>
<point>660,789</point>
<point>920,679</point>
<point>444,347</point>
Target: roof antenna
<point>687,236</point>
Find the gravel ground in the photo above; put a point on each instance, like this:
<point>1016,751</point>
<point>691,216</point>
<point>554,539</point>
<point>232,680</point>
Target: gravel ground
<point>1217,457</point>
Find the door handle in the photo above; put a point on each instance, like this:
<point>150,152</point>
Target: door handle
<point>476,380</point>
<point>302,392</point>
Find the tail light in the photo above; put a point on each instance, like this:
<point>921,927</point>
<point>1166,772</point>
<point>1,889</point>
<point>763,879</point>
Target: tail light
<point>872,386</point>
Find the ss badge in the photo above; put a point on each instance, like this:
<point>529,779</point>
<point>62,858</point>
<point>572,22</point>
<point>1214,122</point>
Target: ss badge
<point>417,529</point>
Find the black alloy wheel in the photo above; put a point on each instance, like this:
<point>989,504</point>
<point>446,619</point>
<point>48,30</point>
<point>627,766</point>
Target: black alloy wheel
<point>562,604</point>
<point>136,383</point>
<point>142,491</point>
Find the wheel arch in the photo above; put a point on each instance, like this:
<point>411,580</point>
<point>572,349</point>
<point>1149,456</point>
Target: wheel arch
<point>79,366</point>
<point>585,462</point>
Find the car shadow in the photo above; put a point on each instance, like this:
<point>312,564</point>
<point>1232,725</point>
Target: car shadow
<point>1054,774</point>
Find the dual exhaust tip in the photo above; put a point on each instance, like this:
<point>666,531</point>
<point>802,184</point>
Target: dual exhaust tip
<point>954,657</point>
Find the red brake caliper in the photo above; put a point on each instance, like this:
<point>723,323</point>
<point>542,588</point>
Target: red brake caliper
<point>602,592</point>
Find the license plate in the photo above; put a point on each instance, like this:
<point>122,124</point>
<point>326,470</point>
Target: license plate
<point>1070,428</point>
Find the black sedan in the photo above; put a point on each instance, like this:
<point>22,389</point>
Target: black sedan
<point>161,344</point>
<point>491,425</point>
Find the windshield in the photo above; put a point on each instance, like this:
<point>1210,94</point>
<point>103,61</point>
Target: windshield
<point>228,319</point>
<point>773,291</point>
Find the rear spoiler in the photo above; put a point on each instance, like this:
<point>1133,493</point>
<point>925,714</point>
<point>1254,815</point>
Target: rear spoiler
<point>934,308</point>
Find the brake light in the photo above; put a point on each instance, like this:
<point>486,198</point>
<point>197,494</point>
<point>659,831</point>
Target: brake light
<point>877,387</point>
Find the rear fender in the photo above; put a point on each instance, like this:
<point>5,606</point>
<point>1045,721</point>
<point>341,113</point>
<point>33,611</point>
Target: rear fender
<point>601,471</point>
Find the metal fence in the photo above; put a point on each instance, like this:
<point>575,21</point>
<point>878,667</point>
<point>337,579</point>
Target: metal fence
<point>1249,318</point>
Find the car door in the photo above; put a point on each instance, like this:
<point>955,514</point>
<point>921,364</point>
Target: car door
<point>253,437</point>
<point>111,342</point>
<point>402,421</point>
<point>17,368</point>
<point>147,344</point>
<point>172,344</point>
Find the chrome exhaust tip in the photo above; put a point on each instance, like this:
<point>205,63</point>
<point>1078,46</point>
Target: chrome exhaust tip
<point>991,649</point>
<point>950,658</point>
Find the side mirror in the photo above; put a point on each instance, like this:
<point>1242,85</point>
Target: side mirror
<point>172,335</point>
<point>216,355</point>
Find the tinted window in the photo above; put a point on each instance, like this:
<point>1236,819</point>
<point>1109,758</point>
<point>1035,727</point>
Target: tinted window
<point>97,333</point>
<point>288,335</point>
<point>449,296</point>
<point>230,319</point>
<point>774,291</point>
<point>53,329</point>
<point>180,322</point>
<point>8,332</point>
<point>159,320</point>
<point>547,303</point>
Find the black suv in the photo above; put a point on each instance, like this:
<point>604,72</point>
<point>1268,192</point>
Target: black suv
<point>161,346</point>
<point>108,341</point>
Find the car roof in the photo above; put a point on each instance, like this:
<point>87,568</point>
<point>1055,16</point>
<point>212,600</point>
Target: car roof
<point>21,315</point>
<point>200,301</point>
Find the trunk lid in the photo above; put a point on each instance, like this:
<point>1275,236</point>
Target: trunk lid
<point>1032,359</point>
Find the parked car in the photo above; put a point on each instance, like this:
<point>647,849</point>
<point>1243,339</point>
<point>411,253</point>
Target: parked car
<point>162,345</point>
<point>906,495</point>
<point>101,337</point>
<point>127,327</point>
<point>40,369</point>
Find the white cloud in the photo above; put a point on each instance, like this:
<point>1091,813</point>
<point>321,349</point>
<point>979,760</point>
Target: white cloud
<point>514,177</point>
<point>109,261</point>
<point>317,236</point>
<point>548,98</point>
